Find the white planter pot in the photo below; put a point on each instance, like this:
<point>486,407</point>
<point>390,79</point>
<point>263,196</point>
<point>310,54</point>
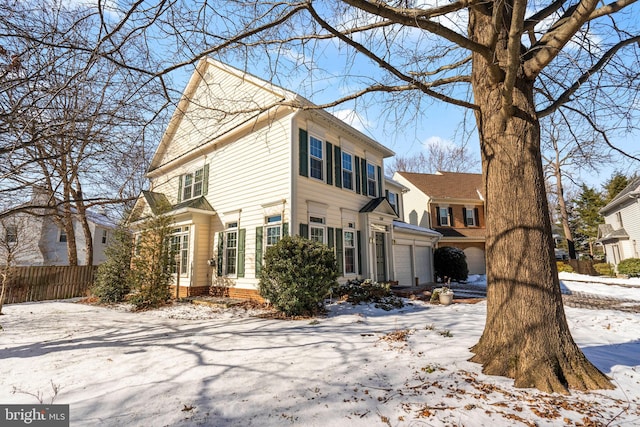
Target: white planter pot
<point>446,299</point>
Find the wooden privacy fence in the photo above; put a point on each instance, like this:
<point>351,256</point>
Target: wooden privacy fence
<point>27,284</point>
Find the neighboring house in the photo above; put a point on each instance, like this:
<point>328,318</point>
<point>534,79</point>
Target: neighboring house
<point>37,240</point>
<point>452,204</point>
<point>620,233</point>
<point>244,162</point>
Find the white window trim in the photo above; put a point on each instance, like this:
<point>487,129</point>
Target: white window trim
<point>181,233</point>
<point>353,186</point>
<point>192,186</point>
<point>374,180</point>
<point>321,160</point>
<point>446,209</point>
<point>230,227</point>
<point>473,217</point>
<point>355,251</point>
<point>272,224</point>
<point>314,223</point>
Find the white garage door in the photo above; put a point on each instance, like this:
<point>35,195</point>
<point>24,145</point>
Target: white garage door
<point>423,264</point>
<point>402,262</point>
<point>475,260</point>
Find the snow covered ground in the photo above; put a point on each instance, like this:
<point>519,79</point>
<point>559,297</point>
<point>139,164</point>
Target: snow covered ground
<point>358,366</point>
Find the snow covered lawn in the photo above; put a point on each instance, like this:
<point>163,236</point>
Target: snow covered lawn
<point>358,366</point>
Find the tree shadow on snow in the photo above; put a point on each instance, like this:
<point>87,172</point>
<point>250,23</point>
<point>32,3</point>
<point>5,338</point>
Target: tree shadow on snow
<point>605,357</point>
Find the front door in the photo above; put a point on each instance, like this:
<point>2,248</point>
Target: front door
<point>381,258</point>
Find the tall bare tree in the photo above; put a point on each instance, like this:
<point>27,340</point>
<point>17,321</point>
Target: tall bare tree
<point>566,152</point>
<point>439,156</point>
<point>511,63</point>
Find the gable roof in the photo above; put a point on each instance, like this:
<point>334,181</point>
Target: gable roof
<point>447,185</point>
<point>631,190</point>
<point>256,100</point>
<point>606,233</point>
<point>380,205</point>
<point>158,203</point>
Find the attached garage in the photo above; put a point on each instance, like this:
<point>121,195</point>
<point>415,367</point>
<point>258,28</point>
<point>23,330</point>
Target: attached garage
<point>413,253</point>
<point>423,264</point>
<point>403,264</point>
<point>475,261</point>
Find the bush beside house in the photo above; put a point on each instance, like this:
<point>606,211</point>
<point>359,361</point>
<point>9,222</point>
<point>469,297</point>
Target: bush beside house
<point>297,276</point>
<point>450,263</point>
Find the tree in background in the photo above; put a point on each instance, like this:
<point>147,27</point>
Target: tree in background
<point>587,218</point>
<point>614,186</point>
<point>439,156</point>
<point>566,152</point>
<point>113,278</point>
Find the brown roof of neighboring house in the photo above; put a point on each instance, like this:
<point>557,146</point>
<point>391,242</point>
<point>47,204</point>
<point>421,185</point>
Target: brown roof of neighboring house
<point>460,232</point>
<point>449,185</point>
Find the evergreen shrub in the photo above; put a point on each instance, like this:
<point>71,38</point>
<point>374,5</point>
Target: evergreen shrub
<point>450,262</point>
<point>562,266</point>
<point>630,267</point>
<point>604,269</point>
<point>297,276</point>
<point>113,278</point>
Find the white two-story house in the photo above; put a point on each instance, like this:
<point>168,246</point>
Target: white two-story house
<point>243,163</point>
<point>620,233</point>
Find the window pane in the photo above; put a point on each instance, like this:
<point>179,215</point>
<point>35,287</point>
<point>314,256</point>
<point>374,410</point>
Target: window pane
<point>349,239</point>
<point>197,189</point>
<point>315,147</point>
<point>231,251</point>
<point>316,168</point>
<point>349,260</point>
<point>317,234</point>
<point>273,235</point>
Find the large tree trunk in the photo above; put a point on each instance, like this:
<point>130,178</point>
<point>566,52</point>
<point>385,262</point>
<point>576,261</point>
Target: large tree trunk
<point>526,336</point>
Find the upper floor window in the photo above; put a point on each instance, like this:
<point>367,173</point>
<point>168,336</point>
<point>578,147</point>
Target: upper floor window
<point>444,216</point>
<point>619,219</point>
<point>470,217</point>
<point>63,236</point>
<point>372,181</point>
<point>317,229</point>
<point>347,171</point>
<point>393,201</point>
<point>194,184</point>
<point>104,237</point>
<point>273,230</point>
<point>316,158</point>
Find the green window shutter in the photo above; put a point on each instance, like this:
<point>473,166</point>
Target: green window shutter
<point>330,237</point>
<point>363,171</point>
<point>303,155</point>
<point>259,242</point>
<point>338,161</point>
<point>304,231</point>
<point>285,229</point>
<point>476,214</point>
<point>438,215</point>
<point>180,178</point>
<point>357,173</point>
<point>205,180</point>
<point>451,217</point>
<point>241,251</point>
<point>379,181</point>
<point>339,250</point>
<point>329,165</point>
<point>464,216</point>
<point>220,252</point>
<point>359,236</point>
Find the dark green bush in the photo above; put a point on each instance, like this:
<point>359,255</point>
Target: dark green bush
<point>604,269</point>
<point>297,276</point>
<point>366,291</point>
<point>113,278</point>
<point>630,266</point>
<point>450,263</point>
<point>562,266</point>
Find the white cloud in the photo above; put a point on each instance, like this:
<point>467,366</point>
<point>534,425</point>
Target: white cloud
<point>353,119</point>
<point>437,141</point>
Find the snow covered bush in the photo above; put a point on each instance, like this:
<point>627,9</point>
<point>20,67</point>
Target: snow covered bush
<point>451,263</point>
<point>113,278</point>
<point>297,276</point>
<point>630,267</point>
<point>356,291</point>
